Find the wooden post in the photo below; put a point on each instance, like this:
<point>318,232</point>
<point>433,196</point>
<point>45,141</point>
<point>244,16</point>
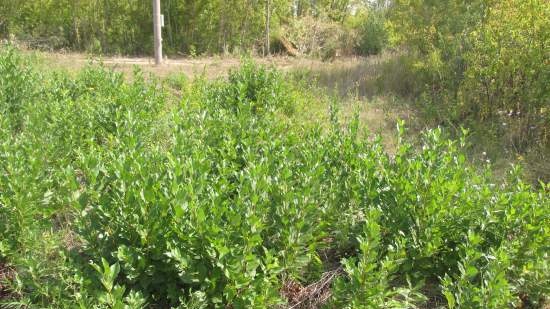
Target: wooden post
<point>267,26</point>
<point>157,27</point>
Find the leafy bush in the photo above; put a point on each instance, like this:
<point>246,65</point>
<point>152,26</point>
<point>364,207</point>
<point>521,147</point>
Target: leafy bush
<point>369,283</point>
<point>16,86</point>
<point>112,195</point>
<point>372,34</point>
<point>489,62</point>
<point>508,70</point>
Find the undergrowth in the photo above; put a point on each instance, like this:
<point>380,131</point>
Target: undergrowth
<point>112,196</point>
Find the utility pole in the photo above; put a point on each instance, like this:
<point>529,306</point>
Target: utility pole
<point>157,24</point>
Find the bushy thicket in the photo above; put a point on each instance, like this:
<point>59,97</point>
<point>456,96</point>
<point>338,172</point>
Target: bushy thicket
<point>486,61</point>
<point>192,27</point>
<point>115,195</point>
<point>319,37</point>
<point>317,28</point>
<point>371,31</point>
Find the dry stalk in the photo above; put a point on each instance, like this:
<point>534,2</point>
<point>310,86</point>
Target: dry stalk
<point>313,295</point>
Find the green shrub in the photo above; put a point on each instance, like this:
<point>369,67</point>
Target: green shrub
<point>112,196</point>
<point>252,90</point>
<point>17,86</point>
<point>487,63</point>
<point>369,280</point>
<point>372,34</point>
<point>508,71</point>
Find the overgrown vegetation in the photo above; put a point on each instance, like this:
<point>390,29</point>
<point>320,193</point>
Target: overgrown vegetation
<point>487,67</point>
<point>117,194</point>
<point>192,27</point>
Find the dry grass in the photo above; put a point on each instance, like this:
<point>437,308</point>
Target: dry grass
<point>360,77</point>
<point>7,274</point>
<point>311,296</point>
<point>355,77</point>
<point>380,115</point>
<point>373,88</point>
<point>210,67</point>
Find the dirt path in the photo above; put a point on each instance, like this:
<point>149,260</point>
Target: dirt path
<point>211,67</point>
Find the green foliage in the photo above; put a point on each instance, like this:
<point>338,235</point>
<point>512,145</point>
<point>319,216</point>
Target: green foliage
<point>369,279</point>
<point>483,280</point>
<point>218,199</point>
<point>16,87</point>
<point>372,34</point>
<point>488,61</point>
<point>508,70</point>
<point>253,90</point>
<point>113,297</point>
<point>192,27</point>
<point>493,289</point>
